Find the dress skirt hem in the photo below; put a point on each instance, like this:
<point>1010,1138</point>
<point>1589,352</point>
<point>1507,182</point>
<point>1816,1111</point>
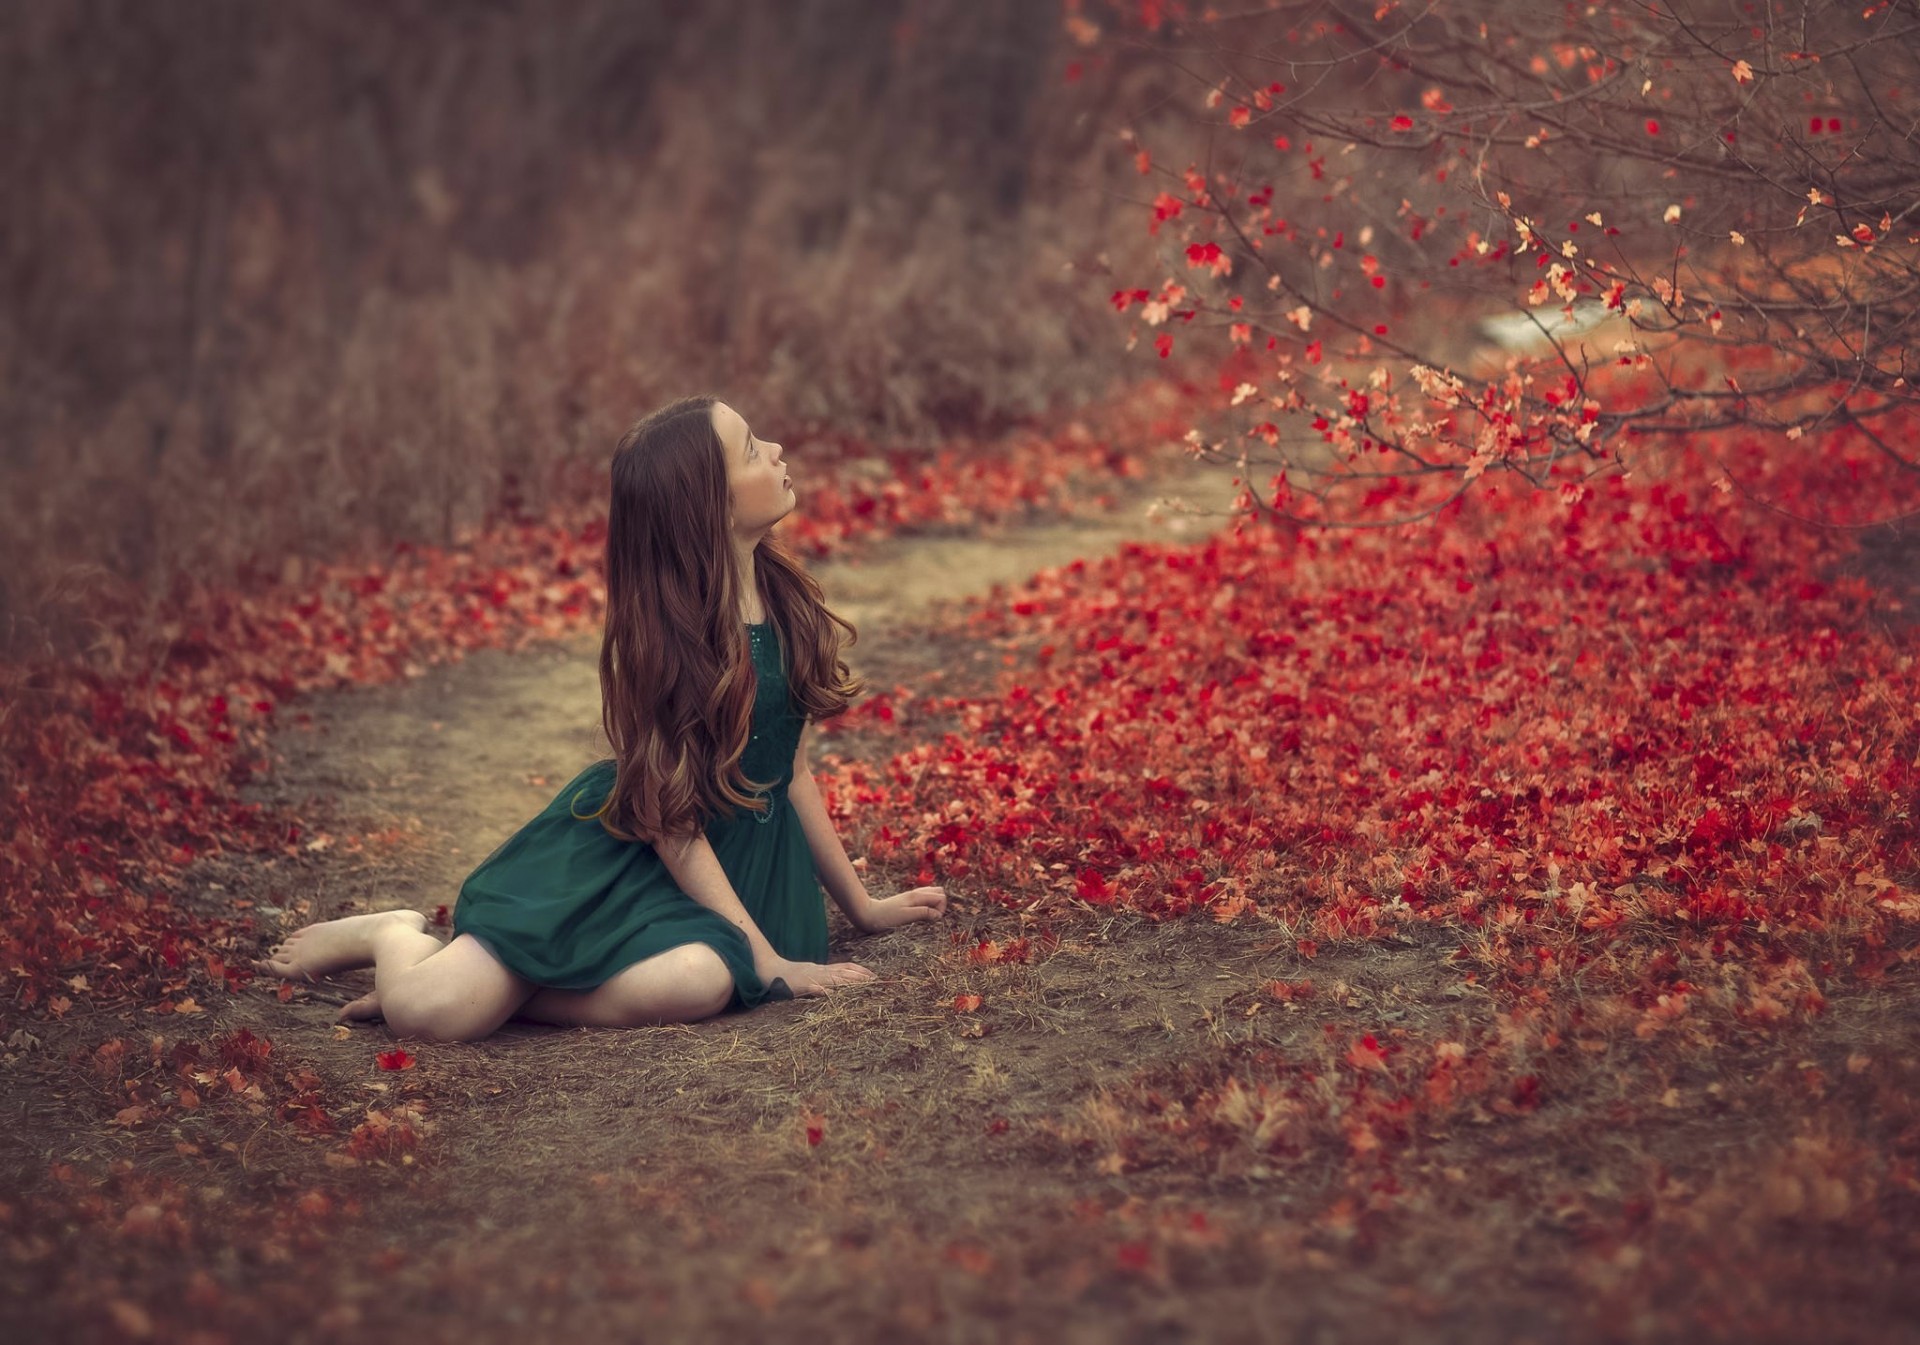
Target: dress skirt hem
<point>565,903</point>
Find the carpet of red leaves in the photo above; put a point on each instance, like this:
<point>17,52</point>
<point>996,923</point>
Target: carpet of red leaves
<point>1637,733</point>
<point>1642,754</point>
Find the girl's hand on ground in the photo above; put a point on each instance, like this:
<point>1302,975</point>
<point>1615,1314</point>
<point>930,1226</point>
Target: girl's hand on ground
<point>921,903</point>
<point>813,978</point>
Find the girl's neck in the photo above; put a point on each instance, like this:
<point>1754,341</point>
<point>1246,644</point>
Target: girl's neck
<point>752,610</point>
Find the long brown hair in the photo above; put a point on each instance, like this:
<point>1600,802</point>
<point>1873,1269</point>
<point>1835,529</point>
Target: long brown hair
<point>676,677</point>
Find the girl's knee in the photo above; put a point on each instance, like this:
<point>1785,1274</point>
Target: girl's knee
<point>461,993</point>
<point>431,1019</point>
<point>707,980</point>
<point>693,982</point>
<point>709,1005</point>
<point>718,984</point>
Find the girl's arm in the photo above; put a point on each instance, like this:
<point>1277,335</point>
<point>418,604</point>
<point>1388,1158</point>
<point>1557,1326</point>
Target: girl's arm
<point>830,862</point>
<point>696,869</point>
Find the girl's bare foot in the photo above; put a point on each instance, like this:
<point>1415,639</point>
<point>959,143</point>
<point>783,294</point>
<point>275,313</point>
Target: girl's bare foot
<point>332,945</point>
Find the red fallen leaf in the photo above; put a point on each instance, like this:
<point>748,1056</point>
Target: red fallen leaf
<point>386,1135</point>
<point>965,1003</point>
<point>314,1204</point>
<point>394,1059</point>
<point>1367,1054</point>
<point>244,1049</point>
<point>1307,948</point>
<point>1133,1256</point>
<point>440,916</point>
<point>816,1130</point>
<point>998,1125</point>
<point>1093,888</point>
<point>1526,1093</point>
<point>972,1259</point>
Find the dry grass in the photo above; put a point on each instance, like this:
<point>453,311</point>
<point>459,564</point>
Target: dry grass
<point>1020,1166</point>
<point>215,369</point>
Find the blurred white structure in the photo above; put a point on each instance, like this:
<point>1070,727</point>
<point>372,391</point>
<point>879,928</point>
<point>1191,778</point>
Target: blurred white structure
<point>1529,332</point>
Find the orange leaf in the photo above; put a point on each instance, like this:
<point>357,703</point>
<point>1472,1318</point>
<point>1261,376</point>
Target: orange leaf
<point>1367,1054</point>
<point>314,1204</point>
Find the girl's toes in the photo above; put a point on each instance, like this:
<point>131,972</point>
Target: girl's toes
<point>286,971</point>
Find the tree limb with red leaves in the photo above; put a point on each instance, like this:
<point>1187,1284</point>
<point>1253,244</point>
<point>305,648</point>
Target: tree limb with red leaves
<point>1446,240</point>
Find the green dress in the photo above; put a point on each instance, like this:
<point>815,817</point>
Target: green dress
<point>562,903</point>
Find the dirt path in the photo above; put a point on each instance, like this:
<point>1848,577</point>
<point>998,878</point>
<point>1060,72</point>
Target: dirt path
<point>454,760</point>
<point>606,1179</point>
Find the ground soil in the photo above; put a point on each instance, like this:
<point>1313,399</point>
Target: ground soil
<point>968,1176</point>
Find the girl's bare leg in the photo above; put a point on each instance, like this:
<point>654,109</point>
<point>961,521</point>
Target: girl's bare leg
<point>345,944</point>
<point>680,985</point>
<point>452,992</point>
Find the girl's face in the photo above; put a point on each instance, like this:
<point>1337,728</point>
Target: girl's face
<point>757,480</point>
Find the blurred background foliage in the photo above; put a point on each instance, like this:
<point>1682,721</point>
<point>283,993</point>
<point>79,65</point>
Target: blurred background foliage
<point>314,277</point>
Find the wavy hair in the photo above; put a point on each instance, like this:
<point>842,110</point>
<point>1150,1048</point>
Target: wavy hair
<point>676,676</point>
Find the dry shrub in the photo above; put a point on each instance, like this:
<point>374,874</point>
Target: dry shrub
<point>312,279</point>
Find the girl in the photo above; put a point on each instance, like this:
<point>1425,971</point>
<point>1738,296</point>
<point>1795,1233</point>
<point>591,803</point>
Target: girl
<point>683,875</point>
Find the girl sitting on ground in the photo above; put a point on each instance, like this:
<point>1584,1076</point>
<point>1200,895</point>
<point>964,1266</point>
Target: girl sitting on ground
<point>682,876</point>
